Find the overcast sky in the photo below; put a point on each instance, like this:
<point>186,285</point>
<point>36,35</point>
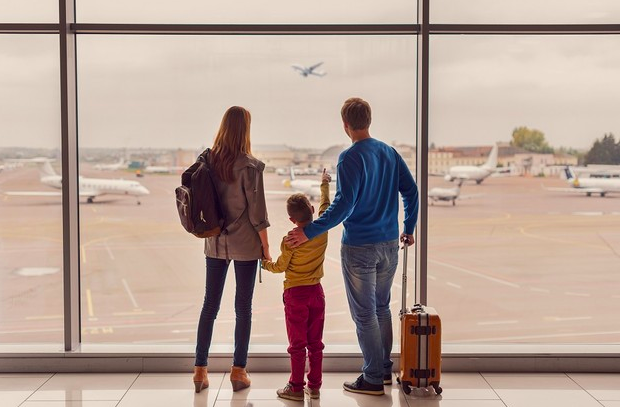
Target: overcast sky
<point>162,91</point>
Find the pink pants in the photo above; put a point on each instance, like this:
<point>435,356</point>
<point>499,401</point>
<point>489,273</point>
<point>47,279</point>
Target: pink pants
<point>304,310</point>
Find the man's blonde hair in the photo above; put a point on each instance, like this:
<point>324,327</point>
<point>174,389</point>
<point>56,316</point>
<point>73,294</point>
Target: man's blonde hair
<point>299,208</point>
<point>356,113</point>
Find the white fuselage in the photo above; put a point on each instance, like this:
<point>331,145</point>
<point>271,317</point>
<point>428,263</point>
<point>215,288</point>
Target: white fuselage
<point>596,185</point>
<point>92,187</point>
<point>469,172</point>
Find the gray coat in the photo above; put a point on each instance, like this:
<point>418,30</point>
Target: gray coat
<point>245,212</point>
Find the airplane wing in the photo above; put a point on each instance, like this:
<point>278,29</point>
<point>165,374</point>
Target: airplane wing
<point>469,196</point>
<point>577,190</point>
<point>315,66</point>
<point>33,193</point>
<point>48,193</point>
<point>90,193</point>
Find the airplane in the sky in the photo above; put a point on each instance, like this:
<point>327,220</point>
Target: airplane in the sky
<point>473,172</point>
<point>305,70</point>
<point>121,165</point>
<point>589,186</point>
<point>88,187</point>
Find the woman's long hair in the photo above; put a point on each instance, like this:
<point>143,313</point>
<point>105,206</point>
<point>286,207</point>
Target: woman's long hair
<point>231,141</point>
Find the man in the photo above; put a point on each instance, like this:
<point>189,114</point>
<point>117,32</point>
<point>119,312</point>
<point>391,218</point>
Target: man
<point>370,176</point>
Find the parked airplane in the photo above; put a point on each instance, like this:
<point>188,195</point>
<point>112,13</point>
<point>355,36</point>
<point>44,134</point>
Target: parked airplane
<point>472,172</point>
<point>159,169</point>
<point>309,187</point>
<point>88,187</point>
<point>305,71</point>
<point>445,194</point>
<point>590,186</point>
<point>121,165</point>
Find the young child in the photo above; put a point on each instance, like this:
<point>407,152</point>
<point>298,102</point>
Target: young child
<point>304,300</point>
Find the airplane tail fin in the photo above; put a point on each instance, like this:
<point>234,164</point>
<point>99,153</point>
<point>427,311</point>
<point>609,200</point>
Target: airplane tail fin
<point>492,160</point>
<point>46,170</point>
<point>292,173</point>
<point>570,175</point>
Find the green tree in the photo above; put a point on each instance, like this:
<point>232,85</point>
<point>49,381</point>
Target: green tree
<point>605,151</point>
<point>531,140</point>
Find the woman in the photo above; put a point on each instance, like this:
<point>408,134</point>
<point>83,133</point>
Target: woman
<point>238,178</point>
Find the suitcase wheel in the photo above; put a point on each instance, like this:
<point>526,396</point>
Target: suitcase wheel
<point>406,387</point>
<point>438,389</point>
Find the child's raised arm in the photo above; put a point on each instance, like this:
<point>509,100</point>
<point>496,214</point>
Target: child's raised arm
<point>325,180</point>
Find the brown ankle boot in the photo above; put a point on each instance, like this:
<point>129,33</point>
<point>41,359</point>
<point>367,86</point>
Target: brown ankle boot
<point>201,381</point>
<point>239,378</point>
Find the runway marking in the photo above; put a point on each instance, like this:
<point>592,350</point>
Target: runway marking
<point>258,336</point>
<point>107,247</point>
<point>577,294</point>
<point>473,273</point>
<point>563,319</point>
<point>131,297</point>
<point>508,322</point>
<point>430,277</point>
<point>89,305</point>
<point>44,317</point>
<point>540,290</point>
<point>83,253</point>
<point>552,239</point>
<point>224,321</point>
<point>526,337</point>
<point>179,331</point>
<point>164,341</point>
<point>132,313</point>
<point>94,209</point>
<point>335,260</point>
<point>588,213</point>
<point>453,285</point>
<point>332,314</point>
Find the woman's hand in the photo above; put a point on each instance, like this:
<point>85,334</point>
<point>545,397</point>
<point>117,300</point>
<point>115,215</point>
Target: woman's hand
<point>266,255</point>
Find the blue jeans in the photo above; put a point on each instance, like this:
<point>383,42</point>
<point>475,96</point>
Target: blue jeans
<point>368,272</point>
<point>245,276</point>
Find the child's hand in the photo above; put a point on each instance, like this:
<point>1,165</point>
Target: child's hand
<point>325,177</point>
<point>266,255</point>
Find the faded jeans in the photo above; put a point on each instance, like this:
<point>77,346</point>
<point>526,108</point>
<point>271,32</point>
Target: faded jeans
<point>245,277</point>
<point>368,273</point>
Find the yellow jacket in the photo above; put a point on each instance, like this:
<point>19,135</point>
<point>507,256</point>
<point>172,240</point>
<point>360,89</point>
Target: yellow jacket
<point>303,265</point>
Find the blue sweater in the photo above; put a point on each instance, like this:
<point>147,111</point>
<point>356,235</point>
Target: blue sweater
<point>370,176</point>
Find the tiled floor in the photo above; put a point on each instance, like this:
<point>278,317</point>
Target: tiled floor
<point>172,390</point>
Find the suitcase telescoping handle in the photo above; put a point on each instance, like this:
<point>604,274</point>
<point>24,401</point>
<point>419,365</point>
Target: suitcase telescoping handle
<point>403,310</point>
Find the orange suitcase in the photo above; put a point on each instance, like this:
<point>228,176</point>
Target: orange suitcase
<point>420,344</point>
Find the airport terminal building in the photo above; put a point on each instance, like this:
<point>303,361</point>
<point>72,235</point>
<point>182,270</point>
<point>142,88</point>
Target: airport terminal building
<point>104,104</point>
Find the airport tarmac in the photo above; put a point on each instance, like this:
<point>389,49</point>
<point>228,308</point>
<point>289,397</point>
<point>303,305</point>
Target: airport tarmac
<point>514,264</point>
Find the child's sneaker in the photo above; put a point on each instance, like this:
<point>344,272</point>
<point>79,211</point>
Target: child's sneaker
<point>288,393</point>
<point>312,393</point>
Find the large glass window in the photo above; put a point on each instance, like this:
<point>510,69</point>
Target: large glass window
<point>29,11</point>
<point>522,254</point>
<point>149,105</point>
<point>30,205</point>
<point>524,12</point>
<point>247,12</point>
